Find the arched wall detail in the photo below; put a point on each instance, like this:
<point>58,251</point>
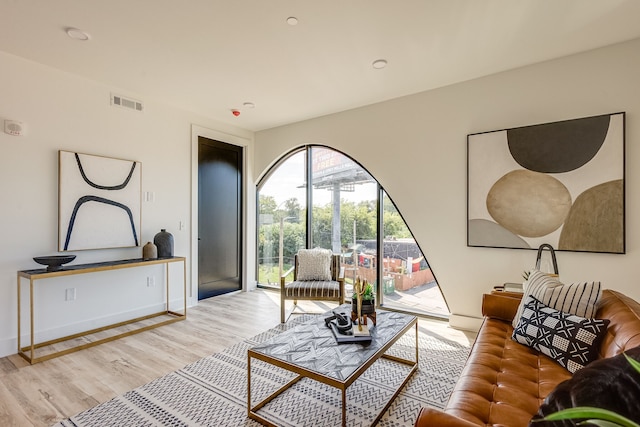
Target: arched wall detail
<point>396,261</point>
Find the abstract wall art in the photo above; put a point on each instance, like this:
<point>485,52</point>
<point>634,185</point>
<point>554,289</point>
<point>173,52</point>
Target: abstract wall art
<point>559,183</point>
<point>99,202</point>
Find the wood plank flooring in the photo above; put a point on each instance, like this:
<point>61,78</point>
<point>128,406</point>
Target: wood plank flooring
<point>44,393</point>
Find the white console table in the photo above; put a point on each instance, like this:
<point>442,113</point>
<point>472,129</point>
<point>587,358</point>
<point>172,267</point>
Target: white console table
<point>28,351</point>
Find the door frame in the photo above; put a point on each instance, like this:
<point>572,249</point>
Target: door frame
<point>248,206</point>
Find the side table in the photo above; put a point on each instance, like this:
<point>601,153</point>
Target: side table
<point>29,352</point>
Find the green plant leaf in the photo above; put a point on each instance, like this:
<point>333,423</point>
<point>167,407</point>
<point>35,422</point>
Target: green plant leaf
<point>633,362</point>
<point>591,413</point>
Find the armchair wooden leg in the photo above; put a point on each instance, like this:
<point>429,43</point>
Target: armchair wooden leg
<point>283,317</point>
<point>281,308</point>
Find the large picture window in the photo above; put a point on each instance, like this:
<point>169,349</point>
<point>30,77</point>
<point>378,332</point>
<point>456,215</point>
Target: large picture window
<point>345,216</point>
<point>281,218</point>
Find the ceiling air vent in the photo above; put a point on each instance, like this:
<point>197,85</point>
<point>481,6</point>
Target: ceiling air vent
<point>131,104</point>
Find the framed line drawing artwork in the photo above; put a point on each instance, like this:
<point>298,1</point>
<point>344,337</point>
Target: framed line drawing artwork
<point>560,183</point>
<point>99,202</point>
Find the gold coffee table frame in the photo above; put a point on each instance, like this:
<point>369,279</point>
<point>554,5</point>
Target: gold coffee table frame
<point>342,385</point>
<point>29,352</point>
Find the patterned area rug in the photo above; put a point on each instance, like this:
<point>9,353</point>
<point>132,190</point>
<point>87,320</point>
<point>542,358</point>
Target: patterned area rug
<point>213,390</point>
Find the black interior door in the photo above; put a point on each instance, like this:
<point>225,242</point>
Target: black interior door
<point>219,217</point>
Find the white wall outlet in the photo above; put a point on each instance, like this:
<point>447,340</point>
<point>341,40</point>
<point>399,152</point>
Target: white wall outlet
<point>70,294</point>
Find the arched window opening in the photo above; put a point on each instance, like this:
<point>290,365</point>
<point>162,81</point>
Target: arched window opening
<point>282,201</point>
<point>348,208</point>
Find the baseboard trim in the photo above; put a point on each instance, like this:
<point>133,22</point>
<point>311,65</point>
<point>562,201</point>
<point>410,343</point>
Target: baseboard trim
<point>252,285</point>
<point>9,346</point>
<point>465,323</point>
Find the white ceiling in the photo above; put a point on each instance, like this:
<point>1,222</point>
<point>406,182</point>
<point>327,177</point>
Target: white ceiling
<point>211,56</point>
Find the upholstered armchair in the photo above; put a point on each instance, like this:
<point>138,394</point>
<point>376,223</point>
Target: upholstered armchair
<point>317,276</point>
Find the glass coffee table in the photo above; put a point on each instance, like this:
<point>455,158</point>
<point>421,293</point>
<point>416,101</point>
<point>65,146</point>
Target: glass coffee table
<point>309,350</point>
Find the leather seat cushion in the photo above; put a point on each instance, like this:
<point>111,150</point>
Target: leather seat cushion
<point>503,380</point>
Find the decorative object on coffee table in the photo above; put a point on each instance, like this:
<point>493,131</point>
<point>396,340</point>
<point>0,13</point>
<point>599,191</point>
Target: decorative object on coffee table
<point>54,262</point>
<point>363,303</point>
<point>341,325</point>
<point>164,242</point>
<point>149,251</point>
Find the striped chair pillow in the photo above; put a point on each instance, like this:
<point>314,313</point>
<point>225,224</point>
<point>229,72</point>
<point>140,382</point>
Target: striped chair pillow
<point>577,298</point>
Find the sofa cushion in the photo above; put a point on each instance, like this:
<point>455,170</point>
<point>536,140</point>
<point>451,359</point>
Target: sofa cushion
<point>312,289</point>
<point>314,264</point>
<point>503,382</point>
<point>570,340</point>
<point>577,298</point>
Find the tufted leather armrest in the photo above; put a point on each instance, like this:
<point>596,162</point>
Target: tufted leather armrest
<point>501,305</point>
<point>429,417</point>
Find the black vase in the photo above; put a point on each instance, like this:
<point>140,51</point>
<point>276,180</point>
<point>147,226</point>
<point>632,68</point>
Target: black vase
<point>164,242</point>
<point>368,306</point>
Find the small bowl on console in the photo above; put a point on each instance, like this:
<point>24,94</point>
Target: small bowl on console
<point>54,262</point>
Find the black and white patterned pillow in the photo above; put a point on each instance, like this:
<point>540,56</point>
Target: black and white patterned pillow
<point>570,340</point>
<point>579,298</point>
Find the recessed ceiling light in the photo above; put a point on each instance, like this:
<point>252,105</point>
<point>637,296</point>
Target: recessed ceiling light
<point>379,63</point>
<point>249,105</point>
<point>292,20</point>
<point>77,34</point>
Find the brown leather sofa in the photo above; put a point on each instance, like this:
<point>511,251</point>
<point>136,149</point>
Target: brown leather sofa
<point>503,382</point>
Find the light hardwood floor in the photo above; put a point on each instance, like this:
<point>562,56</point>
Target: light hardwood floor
<point>44,393</point>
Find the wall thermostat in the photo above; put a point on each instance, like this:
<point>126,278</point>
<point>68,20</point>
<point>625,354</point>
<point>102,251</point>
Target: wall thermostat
<point>13,128</point>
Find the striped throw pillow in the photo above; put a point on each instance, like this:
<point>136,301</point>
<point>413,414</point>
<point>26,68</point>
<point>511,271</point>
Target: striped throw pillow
<point>577,298</point>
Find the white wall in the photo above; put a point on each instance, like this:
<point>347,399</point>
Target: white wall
<point>65,112</point>
<point>416,142</point>
<point>419,142</point>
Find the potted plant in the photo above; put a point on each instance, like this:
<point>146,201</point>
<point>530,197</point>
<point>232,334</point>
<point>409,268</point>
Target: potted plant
<point>368,298</point>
